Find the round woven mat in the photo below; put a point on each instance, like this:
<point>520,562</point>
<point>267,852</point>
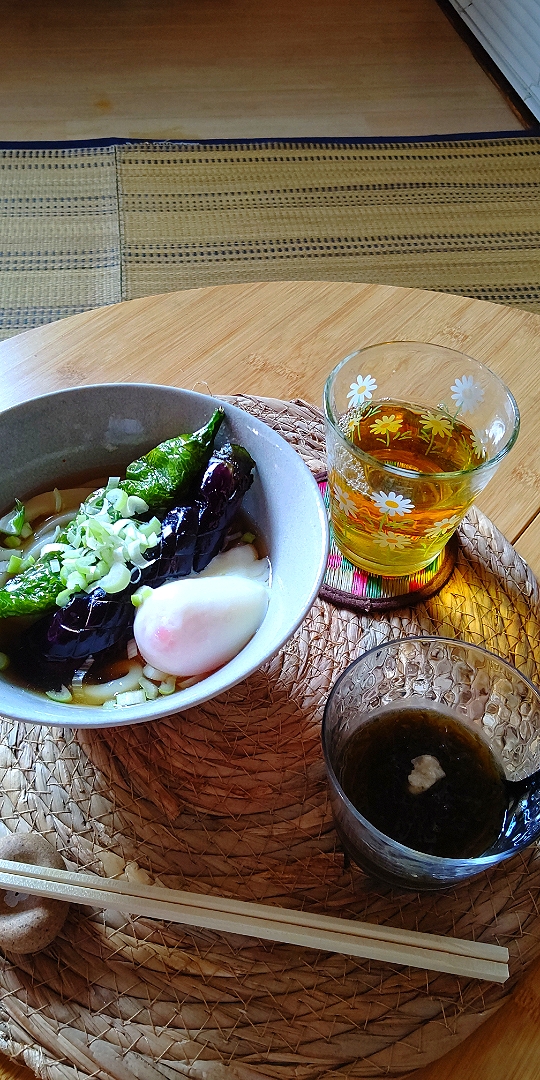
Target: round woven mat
<point>230,798</point>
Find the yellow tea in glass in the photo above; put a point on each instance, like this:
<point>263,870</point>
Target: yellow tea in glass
<point>414,433</point>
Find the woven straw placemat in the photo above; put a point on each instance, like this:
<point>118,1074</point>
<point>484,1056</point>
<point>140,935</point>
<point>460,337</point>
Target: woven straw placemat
<point>93,224</point>
<point>230,798</point>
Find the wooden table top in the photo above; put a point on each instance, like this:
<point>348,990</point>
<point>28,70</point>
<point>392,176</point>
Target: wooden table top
<point>280,339</point>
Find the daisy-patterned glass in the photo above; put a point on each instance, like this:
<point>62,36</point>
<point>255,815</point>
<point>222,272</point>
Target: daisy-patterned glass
<point>361,390</point>
<point>414,433</point>
<point>467,394</point>
<point>392,504</point>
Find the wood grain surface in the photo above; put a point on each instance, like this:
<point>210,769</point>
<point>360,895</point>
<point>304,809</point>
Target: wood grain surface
<point>163,69</point>
<point>280,339</point>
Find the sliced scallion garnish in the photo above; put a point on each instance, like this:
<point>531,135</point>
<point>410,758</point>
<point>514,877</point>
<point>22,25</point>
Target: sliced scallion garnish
<point>63,695</point>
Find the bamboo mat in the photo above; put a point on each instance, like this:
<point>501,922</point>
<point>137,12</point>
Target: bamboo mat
<point>230,798</point>
<point>60,251</point>
<point>86,225</point>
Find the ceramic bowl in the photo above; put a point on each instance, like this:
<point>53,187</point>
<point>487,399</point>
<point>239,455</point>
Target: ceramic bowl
<point>98,430</point>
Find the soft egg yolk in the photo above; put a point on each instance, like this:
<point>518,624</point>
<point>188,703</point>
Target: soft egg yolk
<point>195,625</point>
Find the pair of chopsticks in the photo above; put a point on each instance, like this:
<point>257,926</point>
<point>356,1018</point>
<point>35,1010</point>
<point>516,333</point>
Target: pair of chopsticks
<point>433,952</point>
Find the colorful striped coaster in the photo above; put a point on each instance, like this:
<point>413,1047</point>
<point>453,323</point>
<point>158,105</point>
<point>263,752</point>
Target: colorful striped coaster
<point>347,586</point>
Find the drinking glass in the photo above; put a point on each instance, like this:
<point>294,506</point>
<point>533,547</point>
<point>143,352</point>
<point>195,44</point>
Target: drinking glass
<point>414,432</point>
<point>476,688</point>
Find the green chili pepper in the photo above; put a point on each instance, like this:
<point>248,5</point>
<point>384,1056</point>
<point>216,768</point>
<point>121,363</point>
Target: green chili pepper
<point>173,466</point>
<point>168,471</point>
<point>32,592</point>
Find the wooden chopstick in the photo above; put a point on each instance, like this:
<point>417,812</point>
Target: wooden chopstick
<point>430,951</point>
<point>225,904</point>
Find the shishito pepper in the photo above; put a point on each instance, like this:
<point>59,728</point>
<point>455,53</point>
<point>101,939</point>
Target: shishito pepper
<point>32,591</point>
<point>166,472</point>
<point>170,469</point>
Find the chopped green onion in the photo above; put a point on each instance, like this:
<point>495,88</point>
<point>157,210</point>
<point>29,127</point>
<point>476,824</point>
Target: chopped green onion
<point>99,547</point>
<point>135,555</point>
<point>150,527</point>
<point>117,579</point>
<point>4,661</point>
<point>63,695</point>
<point>150,688</point>
<point>76,581</point>
<point>119,499</point>
<point>248,537</point>
<point>168,686</point>
<point>104,546</point>
<point>135,505</point>
<point>140,595</point>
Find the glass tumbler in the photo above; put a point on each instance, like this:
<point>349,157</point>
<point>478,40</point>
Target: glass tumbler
<point>470,685</point>
<point>414,432</point>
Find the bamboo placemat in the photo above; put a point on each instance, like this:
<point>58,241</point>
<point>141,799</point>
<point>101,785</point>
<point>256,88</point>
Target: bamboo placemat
<point>92,224</point>
<point>230,798</point>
